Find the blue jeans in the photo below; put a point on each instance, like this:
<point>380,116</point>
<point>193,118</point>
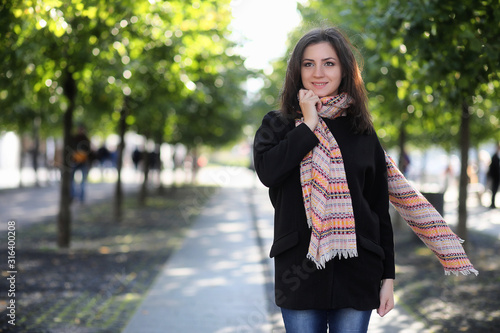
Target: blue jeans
<point>79,191</point>
<point>318,321</point>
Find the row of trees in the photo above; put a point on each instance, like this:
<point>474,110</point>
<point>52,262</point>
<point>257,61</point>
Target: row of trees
<point>165,69</point>
<point>431,69</point>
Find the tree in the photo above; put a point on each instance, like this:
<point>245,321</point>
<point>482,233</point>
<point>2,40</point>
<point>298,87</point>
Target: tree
<point>134,64</point>
<point>20,101</point>
<point>185,83</point>
<point>457,46</point>
<point>58,49</point>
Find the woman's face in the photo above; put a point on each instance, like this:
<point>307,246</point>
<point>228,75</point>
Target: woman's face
<point>320,69</point>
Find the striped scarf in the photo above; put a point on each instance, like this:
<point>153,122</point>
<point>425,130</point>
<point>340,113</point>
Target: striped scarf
<point>328,204</point>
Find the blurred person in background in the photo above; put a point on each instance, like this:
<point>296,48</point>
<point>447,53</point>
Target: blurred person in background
<point>494,175</point>
<point>81,155</point>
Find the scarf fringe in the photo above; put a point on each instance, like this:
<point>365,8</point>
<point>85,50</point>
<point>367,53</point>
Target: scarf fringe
<point>321,263</point>
<point>468,271</point>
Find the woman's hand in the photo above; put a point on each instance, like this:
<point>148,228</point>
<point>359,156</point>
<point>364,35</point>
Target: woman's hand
<point>386,297</point>
<point>309,105</point>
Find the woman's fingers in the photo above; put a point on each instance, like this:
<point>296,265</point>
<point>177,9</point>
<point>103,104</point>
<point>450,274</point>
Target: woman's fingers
<point>308,104</point>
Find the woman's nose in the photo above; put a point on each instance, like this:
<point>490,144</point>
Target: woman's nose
<point>318,71</point>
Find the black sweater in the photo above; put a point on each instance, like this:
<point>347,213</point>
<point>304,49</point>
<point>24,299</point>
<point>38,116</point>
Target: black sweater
<point>279,147</point>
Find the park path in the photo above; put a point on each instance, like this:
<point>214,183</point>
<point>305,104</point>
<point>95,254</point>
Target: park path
<point>29,205</point>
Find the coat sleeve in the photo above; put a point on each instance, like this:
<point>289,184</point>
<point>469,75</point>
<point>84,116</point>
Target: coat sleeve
<point>381,206</point>
<point>279,147</point>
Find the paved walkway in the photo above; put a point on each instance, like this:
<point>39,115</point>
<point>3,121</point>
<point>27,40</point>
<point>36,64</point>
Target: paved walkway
<point>215,282</point>
<point>30,205</point>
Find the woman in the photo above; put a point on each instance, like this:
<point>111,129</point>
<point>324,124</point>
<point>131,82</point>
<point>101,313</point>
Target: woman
<point>327,176</point>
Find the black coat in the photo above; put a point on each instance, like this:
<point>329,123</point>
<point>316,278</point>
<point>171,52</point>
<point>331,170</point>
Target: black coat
<point>279,147</point>
<point>494,169</point>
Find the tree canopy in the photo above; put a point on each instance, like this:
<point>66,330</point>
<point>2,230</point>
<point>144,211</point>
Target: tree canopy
<point>172,58</point>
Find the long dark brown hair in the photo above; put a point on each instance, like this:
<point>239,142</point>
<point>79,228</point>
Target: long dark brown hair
<point>352,82</point>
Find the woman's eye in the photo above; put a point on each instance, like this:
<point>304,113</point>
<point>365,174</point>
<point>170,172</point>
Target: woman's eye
<point>329,63</point>
<point>308,64</point>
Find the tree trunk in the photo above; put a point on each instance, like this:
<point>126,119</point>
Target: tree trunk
<point>194,165</point>
<point>21,159</point>
<point>161,188</point>
<point>64,217</point>
<point>464,156</point>
<point>36,148</point>
<point>122,126</point>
